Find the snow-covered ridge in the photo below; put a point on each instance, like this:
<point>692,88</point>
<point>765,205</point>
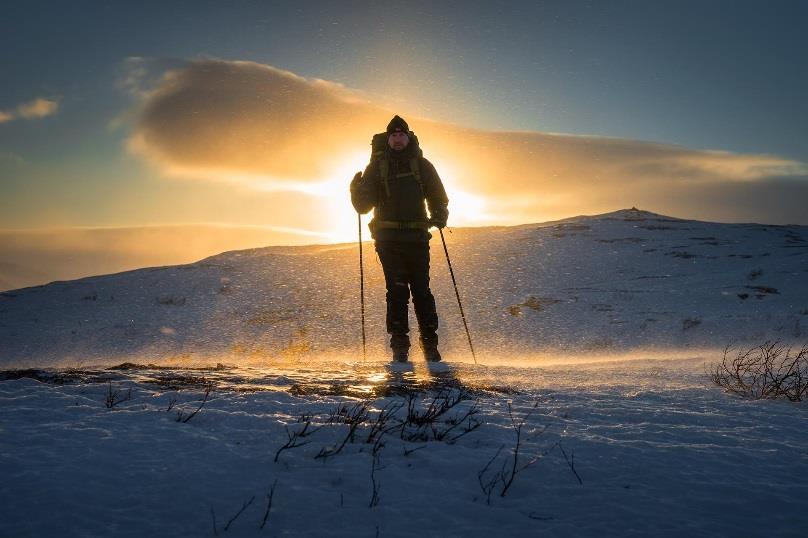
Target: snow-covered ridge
<point>626,279</point>
<point>288,436</point>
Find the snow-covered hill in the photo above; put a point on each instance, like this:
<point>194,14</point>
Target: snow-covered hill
<point>595,284</point>
<point>297,435</point>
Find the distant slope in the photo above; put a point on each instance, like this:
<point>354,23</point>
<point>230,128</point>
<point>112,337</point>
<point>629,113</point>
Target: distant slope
<point>586,284</point>
<point>34,257</point>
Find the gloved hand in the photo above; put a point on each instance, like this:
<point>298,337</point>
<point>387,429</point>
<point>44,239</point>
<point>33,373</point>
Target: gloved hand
<point>438,217</point>
<point>356,180</point>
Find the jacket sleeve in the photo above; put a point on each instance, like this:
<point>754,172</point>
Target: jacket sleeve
<point>365,192</point>
<point>436,199</point>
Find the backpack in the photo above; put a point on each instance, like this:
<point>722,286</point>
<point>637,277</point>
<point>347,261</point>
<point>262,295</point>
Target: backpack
<point>379,150</point>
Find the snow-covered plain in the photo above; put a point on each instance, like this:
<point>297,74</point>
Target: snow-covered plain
<point>595,330</point>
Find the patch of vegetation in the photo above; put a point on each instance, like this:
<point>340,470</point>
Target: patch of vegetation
<point>763,290</point>
<point>754,273</point>
<point>175,300</point>
<point>534,303</point>
<point>682,254</point>
<point>768,371</point>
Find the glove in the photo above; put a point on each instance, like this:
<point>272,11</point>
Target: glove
<point>357,179</point>
<point>439,216</point>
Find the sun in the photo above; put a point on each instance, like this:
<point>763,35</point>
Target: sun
<point>342,225</point>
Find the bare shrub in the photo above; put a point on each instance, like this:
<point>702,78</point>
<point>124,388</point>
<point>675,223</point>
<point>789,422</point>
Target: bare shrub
<point>353,416</point>
<point>433,423</point>
<point>182,417</point>
<point>502,477</point>
<point>768,371</point>
<point>295,438</point>
<point>172,401</point>
<point>500,472</point>
<point>115,396</point>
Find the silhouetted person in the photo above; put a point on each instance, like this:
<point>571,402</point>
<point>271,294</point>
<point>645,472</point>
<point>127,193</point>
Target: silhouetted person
<point>395,184</point>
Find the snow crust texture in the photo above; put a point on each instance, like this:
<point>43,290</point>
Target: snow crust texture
<point>658,450</point>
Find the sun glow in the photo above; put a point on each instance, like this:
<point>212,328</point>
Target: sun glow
<point>341,217</point>
<point>465,208</point>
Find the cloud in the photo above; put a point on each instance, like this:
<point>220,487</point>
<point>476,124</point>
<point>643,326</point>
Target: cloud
<point>37,108</point>
<point>223,119</point>
<point>272,129</point>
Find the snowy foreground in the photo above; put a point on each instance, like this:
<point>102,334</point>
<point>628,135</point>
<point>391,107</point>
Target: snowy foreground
<point>593,336</point>
<point>659,452</point>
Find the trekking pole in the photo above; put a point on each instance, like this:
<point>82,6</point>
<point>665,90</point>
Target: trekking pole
<point>362,288</point>
<point>457,294</point>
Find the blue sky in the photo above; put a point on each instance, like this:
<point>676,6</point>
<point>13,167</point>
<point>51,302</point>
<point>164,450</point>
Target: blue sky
<point>707,75</point>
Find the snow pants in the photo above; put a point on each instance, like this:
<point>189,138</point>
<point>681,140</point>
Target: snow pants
<point>406,271</point>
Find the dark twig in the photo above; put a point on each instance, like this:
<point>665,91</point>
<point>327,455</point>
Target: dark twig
<point>294,437</point>
<point>378,426</point>
<point>374,499</point>
<point>114,397</point>
<point>488,485</point>
<point>507,479</point>
<point>513,464</point>
<point>243,507</point>
<point>269,503</point>
<point>354,417</point>
<point>184,419</point>
<point>408,451</point>
<point>473,424</point>
<point>570,462</point>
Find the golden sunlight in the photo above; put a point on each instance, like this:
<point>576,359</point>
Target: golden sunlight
<point>465,208</point>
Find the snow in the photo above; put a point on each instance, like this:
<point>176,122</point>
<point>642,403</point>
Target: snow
<point>566,329</point>
<point>608,283</point>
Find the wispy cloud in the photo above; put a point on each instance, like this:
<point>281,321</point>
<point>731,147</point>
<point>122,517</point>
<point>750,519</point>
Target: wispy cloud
<point>36,108</point>
<point>274,130</point>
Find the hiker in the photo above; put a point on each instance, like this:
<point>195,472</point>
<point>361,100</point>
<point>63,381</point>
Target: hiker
<point>395,184</point>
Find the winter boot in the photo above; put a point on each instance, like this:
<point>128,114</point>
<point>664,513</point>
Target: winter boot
<point>432,354</point>
<point>400,344</point>
<point>429,346</point>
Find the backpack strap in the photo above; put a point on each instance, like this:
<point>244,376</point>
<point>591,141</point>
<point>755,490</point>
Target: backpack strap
<point>416,171</point>
<point>384,170</point>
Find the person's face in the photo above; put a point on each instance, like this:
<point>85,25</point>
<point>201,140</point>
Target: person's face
<point>398,140</point>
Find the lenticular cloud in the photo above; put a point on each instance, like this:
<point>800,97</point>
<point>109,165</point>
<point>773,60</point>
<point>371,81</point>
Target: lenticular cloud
<point>271,129</point>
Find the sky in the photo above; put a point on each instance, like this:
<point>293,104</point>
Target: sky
<point>152,126</point>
